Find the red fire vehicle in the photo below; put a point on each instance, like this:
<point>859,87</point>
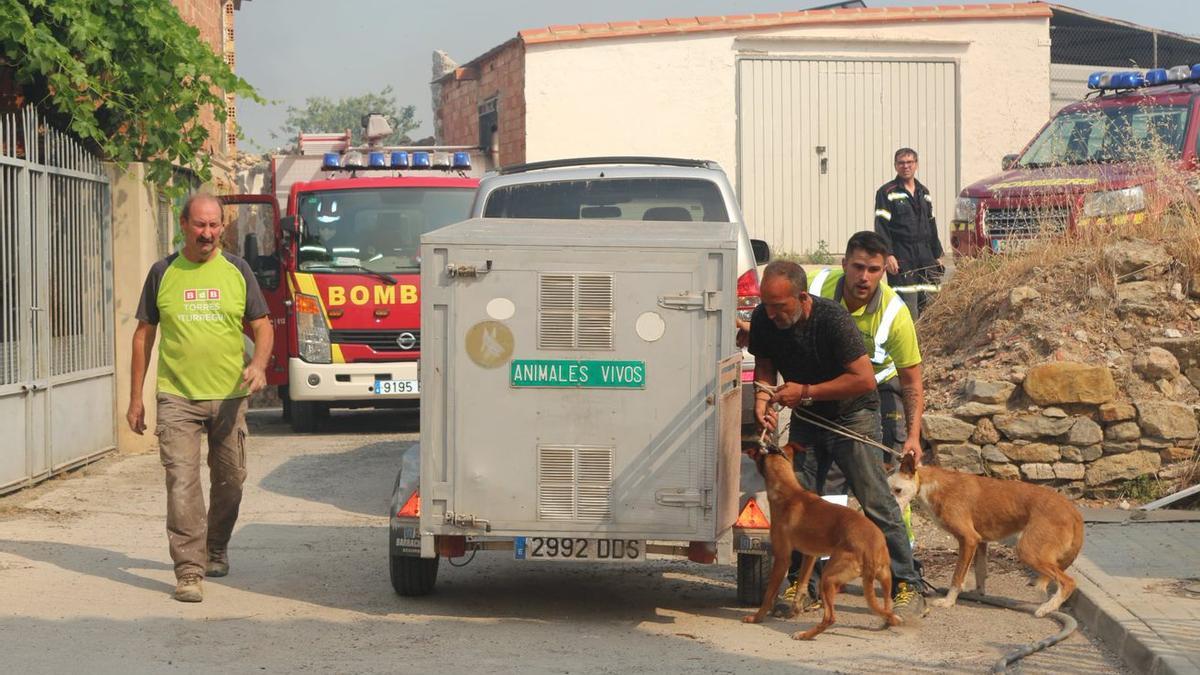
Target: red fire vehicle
<point>1122,155</point>
<point>341,268</point>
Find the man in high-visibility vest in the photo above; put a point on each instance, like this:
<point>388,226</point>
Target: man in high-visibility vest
<point>890,336</point>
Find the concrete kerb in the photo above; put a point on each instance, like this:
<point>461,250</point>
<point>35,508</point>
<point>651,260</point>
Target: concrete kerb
<point>1138,646</point>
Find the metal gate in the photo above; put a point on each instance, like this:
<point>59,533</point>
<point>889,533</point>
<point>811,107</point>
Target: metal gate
<point>816,137</point>
<point>56,332</point>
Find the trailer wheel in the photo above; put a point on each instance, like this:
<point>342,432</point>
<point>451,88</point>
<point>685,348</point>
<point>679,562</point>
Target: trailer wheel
<point>286,401</point>
<point>752,574</point>
<point>412,576</point>
<point>307,416</point>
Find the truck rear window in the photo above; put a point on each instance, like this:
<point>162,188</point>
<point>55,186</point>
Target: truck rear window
<point>378,228</point>
<point>1110,134</point>
<point>679,199</point>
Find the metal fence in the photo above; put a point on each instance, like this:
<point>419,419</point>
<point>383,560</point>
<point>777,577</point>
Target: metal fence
<point>56,330</point>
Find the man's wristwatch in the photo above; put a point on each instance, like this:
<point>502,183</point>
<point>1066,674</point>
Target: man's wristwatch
<point>805,399</point>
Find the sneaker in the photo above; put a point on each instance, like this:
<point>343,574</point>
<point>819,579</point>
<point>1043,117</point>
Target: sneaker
<point>188,589</point>
<point>218,565</point>
<point>807,602</point>
<point>908,601</point>
<point>790,593</point>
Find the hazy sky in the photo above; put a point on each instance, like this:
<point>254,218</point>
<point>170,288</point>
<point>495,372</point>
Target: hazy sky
<point>294,49</point>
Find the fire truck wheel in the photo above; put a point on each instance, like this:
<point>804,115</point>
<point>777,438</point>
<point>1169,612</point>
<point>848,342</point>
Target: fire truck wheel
<point>308,415</point>
<point>411,575</point>
<point>286,401</point>
<point>752,574</point>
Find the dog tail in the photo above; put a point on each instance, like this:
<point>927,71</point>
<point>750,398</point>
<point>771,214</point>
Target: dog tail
<point>875,570</point>
<point>1076,545</point>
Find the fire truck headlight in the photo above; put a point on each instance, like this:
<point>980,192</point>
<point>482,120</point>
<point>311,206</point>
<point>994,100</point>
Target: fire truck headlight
<point>312,335</point>
<point>1114,202</point>
<point>965,209</point>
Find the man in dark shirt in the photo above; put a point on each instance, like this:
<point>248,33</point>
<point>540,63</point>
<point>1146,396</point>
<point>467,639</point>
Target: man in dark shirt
<point>904,218</point>
<point>813,343</point>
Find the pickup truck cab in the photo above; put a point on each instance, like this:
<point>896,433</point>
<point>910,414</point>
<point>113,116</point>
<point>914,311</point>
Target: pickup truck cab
<point>1125,154</point>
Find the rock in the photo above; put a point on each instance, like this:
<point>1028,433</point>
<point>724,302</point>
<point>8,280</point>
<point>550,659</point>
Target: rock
<point>942,428</point>
<point>987,391</point>
<point>1123,431</point>
<point>1022,295</point>
<point>960,457</point>
<point>977,409</point>
<point>1004,470</point>
<point>1037,471</point>
<point>1136,259</point>
<point>1097,294</point>
<point>1141,297</point>
<point>1057,413</point>
<point>1032,452</point>
<point>1069,382</point>
<point>1084,432</point>
<point>1193,376</point>
<point>992,454</point>
<point>1176,293</point>
<point>1121,467</point>
<point>1172,455</point>
<point>1080,335</point>
<point>1070,453</point>
<point>1166,419</point>
<point>1173,333</point>
<point>1174,471</point>
<point>1031,427</point>
<point>1167,387</point>
<point>1186,350</point>
<point>1068,470</point>
<point>1154,443</point>
<point>985,433</point>
<point>1116,412</point>
<point>1119,447</point>
<point>1017,376</point>
<point>1156,363</point>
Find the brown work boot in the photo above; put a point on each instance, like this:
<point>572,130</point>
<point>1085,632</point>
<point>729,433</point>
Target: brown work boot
<point>218,564</point>
<point>189,589</point>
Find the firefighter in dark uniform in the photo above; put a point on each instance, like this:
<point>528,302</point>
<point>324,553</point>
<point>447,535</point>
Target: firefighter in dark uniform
<point>904,218</point>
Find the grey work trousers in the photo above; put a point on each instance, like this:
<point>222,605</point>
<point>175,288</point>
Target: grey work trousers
<point>194,533</point>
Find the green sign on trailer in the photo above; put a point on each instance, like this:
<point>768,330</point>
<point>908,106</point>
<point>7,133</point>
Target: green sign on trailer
<point>581,374</point>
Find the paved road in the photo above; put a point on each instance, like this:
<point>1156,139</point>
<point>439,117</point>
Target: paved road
<point>85,584</point>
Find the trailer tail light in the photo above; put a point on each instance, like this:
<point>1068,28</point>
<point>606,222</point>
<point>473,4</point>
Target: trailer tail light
<point>412,507</point>
<point>752,517</point>
<point>748,294</point>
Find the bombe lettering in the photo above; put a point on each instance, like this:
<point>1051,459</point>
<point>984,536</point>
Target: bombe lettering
<point>377,295</point>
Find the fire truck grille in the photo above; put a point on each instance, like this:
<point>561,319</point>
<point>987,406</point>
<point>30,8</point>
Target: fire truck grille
<point>574,483</point>
<point>379,340</point>
<point>1026,222</point>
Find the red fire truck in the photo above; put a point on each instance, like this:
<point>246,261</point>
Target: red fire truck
<point>340,269</point>
<point>1129,152</point>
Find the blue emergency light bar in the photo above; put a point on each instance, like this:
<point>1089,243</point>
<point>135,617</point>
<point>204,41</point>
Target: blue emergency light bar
<point>399,159</point>
<point>420,160</point>
<point>462,160</point>
<point>331,160</point>
<point>353,160</point>
<point>376,160</point>
<point>1132,79</point>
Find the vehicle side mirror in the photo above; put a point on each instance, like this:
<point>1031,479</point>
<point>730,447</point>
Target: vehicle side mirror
<point>1008,162</point>
<point>762,252</point>
<point>250,250</point>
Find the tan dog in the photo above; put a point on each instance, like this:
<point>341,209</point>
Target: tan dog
<point>802,521</point>
<point>977,510</point>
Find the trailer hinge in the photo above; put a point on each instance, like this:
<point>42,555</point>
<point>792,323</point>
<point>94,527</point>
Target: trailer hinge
<point>467,520</point>
<point>456,270</point>
<point>683,497</point>
<point>709,301</point>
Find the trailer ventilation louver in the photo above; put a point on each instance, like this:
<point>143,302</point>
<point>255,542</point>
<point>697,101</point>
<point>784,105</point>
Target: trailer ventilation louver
<point>575,483</point>
<point>575,311</point>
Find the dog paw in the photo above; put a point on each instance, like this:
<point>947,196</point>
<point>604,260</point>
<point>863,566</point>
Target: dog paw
<point>752,618</point>
<point>943,602</point>
<point>1042,611</point>
<point>804,635</point>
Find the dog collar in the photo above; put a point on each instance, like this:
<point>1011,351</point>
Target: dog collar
<point>772,449</point>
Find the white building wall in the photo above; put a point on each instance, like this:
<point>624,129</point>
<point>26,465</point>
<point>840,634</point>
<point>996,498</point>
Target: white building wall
<point>676,95</point>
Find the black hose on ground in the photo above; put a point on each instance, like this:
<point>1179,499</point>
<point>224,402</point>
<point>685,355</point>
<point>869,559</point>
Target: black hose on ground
<point>1068,623</point>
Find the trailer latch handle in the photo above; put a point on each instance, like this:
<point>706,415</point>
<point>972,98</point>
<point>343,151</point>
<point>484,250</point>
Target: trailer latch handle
<point>709,301</point>
<point>454,270</point>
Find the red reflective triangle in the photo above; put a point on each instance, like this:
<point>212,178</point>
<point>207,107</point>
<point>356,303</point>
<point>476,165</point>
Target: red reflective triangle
<point>752,516</point>
<point>412,507</point>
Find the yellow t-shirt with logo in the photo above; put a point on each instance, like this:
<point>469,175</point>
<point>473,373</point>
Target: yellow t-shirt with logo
<point>885,323</point>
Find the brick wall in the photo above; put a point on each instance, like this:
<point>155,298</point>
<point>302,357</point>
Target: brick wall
<point>214,19</point>
<point>500,74</point>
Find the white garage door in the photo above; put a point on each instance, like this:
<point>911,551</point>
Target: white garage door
<point>816,137</point>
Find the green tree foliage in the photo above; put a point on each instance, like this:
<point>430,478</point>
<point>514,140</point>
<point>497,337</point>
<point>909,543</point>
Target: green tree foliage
<point>129,77</point>
<point>321,114</point>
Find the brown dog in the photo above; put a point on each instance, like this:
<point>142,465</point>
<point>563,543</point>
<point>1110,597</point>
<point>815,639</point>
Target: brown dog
<point>977,510</point>
<point>802,521</point>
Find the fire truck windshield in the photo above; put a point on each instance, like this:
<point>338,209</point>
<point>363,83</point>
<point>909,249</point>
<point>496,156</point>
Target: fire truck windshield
<point>1109,134</point>
<point>378,229</point>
